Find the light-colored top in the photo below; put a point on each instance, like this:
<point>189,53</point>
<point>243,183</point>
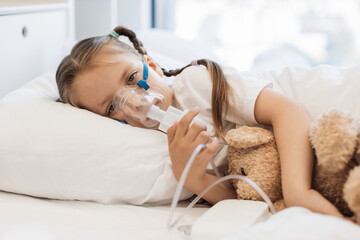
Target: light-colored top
<point>193,88</point>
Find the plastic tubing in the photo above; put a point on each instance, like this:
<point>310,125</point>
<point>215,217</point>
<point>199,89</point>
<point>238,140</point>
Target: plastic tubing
<point>180,185</point>
<point>218,174</point>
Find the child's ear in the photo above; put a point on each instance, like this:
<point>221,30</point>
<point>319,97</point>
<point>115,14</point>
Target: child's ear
<point>153,65</point>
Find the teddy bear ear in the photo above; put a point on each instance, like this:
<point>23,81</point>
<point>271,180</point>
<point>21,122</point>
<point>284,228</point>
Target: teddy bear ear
<point>247,137</point>
<point>334,137</point>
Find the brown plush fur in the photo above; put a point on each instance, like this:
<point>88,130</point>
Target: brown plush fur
<point>258,160</point>
<point>335,138</point>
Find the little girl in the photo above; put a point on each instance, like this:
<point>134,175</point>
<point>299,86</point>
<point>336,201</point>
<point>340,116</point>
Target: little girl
<point>97,67</point>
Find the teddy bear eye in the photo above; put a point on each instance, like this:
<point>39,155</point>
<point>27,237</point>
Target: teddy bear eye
<point>243,172</point>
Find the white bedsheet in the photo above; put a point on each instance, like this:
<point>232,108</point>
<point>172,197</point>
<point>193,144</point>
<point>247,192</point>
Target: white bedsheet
<point>23,217</point>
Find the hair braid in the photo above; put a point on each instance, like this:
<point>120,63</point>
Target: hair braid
<point>123,31</point>
<point>175,72</point>
<point>221,91</point>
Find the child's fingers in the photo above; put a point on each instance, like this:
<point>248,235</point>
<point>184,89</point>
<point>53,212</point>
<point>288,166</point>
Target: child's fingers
<point>185,121</point>
<point>209,152</point>
<point>195,130</point>
<point>202,137</point>
<point>213,146</point>
<point>171,132</point>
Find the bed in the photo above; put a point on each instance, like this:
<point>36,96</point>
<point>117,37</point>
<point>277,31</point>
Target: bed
<point>66,174</point>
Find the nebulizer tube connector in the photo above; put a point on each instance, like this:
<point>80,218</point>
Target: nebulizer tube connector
<point>170,116</point>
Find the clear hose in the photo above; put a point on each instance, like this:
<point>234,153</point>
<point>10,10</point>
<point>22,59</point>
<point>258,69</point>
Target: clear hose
<point>181,184</point>
<point>179,187</point>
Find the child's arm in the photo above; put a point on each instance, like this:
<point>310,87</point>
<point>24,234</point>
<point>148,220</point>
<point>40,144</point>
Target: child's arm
<point>291,122</point>
<point>182,142</point>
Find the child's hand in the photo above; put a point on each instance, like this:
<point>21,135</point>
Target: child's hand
<point>182,142</point>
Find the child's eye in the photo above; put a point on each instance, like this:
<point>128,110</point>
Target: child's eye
<point>132,77</point>
<point>111,108</point>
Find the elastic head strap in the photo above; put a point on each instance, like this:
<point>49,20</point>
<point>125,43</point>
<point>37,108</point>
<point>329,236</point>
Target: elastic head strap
<point>143,83</point>
<point>146,70</point>
<point>140,83</point>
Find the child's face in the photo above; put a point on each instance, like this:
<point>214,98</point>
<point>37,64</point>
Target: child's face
<point>95,88</point>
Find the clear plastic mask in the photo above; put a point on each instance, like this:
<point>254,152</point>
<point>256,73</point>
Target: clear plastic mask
<point>135,103</point>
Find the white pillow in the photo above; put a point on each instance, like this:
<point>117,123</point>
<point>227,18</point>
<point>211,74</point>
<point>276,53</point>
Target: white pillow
<point>53,150</point>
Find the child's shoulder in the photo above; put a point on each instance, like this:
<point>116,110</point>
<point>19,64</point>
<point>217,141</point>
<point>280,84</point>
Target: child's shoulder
<point>192,76</point>
<point>194,71</point>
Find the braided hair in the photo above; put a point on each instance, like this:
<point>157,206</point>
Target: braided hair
<point>80,58</point>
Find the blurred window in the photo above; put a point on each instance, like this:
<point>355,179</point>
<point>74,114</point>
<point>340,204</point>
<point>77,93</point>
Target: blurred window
<point>322,31</point>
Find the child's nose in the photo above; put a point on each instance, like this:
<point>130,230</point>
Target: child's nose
<point>137,108</point>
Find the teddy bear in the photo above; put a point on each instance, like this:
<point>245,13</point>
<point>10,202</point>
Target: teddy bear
<point>335,138</point>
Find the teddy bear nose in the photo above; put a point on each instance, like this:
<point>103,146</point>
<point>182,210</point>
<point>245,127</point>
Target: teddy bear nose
<point>243,172</point>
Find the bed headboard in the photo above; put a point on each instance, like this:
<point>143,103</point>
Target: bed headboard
<point>33,40</point>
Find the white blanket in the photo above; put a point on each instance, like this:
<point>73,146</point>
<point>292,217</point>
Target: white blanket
<point>25,217</point>
<point>321,88</point>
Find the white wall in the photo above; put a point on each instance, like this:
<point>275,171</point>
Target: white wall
<point>99,17</point>
<point>165,14</point>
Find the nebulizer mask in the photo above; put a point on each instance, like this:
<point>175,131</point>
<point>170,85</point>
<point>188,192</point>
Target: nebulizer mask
<point>135,103</point>
<point>149,108</point>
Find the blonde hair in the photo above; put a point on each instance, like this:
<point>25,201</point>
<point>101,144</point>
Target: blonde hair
<point>82,54</point>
